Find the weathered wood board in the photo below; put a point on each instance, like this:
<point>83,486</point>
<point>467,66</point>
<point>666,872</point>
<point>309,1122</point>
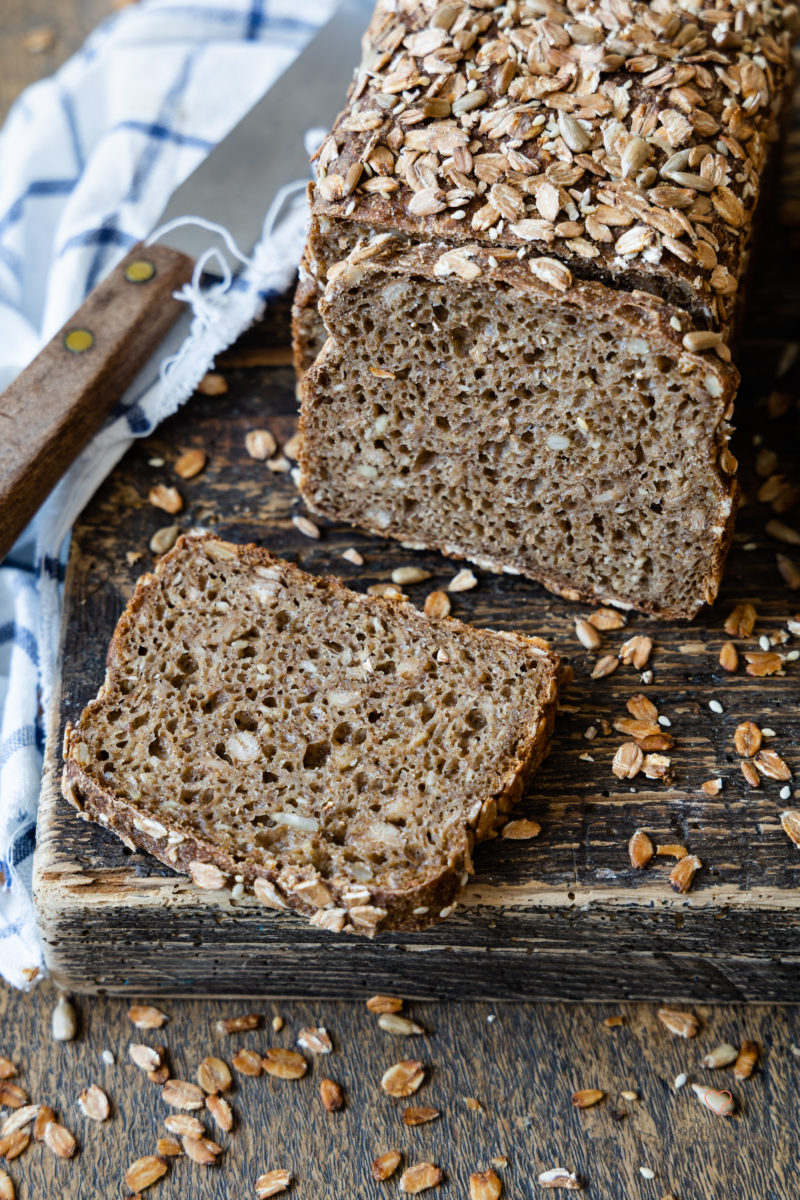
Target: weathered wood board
<point>520,1061</point>
<point>563,916</point>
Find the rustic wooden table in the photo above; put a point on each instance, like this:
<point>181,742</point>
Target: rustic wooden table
<point>521,1061</point>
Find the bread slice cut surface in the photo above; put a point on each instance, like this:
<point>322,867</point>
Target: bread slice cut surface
<point>331,752</point>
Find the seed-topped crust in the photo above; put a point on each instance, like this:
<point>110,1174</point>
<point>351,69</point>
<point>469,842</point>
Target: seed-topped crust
<point>247,689</point>
<point>628,140</point>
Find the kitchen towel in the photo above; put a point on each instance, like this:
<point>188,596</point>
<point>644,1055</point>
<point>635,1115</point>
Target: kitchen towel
<point>88,159</point>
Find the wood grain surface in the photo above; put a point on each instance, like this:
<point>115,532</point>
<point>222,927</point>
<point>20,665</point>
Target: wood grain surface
<point>66,22</point>
<point>61,399</point>
<point>564,916</point>
<point>521,1062</point>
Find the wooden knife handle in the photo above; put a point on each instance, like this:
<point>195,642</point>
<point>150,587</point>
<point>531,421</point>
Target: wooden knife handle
<point>61,399</point>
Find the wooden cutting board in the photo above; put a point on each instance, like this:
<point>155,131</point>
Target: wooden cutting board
<point>562,916</point>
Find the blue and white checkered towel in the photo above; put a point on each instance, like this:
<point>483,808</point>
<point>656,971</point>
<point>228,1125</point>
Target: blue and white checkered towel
<point>87,162</point>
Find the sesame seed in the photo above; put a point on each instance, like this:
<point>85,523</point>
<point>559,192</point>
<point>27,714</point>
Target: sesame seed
<point>785,792</point>
<point>680,1080</point>
<point>665,721</point>
<point>715,706</point>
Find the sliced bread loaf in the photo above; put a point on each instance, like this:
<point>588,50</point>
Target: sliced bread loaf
<point>581,181</point>
<point>331,752</point>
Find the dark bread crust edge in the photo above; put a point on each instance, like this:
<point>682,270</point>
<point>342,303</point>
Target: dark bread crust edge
<point>390,910</point>
<point>644,314</point>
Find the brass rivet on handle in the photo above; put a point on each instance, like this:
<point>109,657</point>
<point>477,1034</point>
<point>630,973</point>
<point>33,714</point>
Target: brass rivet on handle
<point>78,340</point>
<point>140,270</point>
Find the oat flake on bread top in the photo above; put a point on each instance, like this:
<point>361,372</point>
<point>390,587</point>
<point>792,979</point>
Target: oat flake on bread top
<point>629,140</point>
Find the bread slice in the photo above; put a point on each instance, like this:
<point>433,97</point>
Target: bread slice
<point>530,423</point>
<point>335,753</point>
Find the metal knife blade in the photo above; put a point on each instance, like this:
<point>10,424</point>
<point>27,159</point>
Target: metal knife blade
<point>235,184</point>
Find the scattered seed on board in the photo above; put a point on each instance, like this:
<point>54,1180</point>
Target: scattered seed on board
<point>464,581</point>
<point>606,619</point>
<point>604,666</point>
<point>521,830</point>
<point>65,1020</point>
<point>640,850</point>
<point>393,1023</point>
<point>404,1078</point>
<point>587,1097</point>
<point>292,447</point>
<point>144,1172</point>
<point>7,1191</point>
<point>384,1004</point>
<point>248,1062</point>
<point>587,634</point>
<point>747,739</point>
<point>683,873</point>
<point>558,1177</point>
<point>315,1040</point>
<point>239,1024</point>
<point>221,1112</point>
<point>636,650</point>
<point>437,604</point>
<point>385,1165</point>
<point>790,822</point>
<point>166,498</point>
<point>181,1094</point>
<point>284,1064</point>
<point>485,1185</point>
<point>750,773</point>
<point>168,1147</point>
<point>352,556</point>
<point>729,657</point>
<point>404,575</point>
<point>147,1058</point>
<point>190,463</point>
<point>260,444</point>
<point>420,1116</point>
<point>145,1016</point>
<point>420,1177</point>
<point>59,1140</point>
<point>164,539</point>
<point>7,1068</point>
<point>213,1075</point>
<point>746,1060</point>
<point>741,622</point>
<point>671,850</point>
<point>213,384</point>
<point>627,761</point>
<point>682,1024</point>
<point>712,787</point>
<point>43,1118</point>
<point>646,1173</point>
<point>721,1056</point>
<point>331,1095</point>
<point>277,1024</point>
<point>93,1103</point>
<point>680,1080</point>
<point>183,1125</point>
<point>771,765</point>
<point>271,1183</point>
<point>305,526</point>
<point>201,1150</point>
<point>720,1104</point>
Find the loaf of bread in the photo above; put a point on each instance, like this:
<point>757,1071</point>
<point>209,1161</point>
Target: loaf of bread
<point>338,754</point>
<point>530,231</point>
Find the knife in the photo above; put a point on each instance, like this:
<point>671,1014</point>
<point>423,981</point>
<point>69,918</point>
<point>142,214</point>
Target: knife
<point>61,399</point>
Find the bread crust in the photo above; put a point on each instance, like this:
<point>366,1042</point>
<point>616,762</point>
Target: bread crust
<point>635,313</point>
<point>396,910</point>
